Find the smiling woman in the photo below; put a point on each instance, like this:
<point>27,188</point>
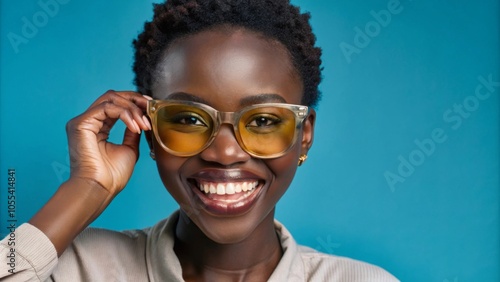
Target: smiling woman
<point>229,89</point>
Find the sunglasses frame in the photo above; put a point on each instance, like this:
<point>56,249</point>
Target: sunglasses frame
<point>220,118</point>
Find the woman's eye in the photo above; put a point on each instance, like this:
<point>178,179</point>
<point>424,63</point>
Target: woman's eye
<point>188,119</point>
<point>262,121</point>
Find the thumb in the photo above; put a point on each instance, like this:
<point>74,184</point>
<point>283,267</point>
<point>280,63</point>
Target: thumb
<point>131,140</point>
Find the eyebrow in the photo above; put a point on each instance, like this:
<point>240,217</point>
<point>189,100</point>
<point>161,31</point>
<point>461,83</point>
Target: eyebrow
<point>262,98</point>
<point>182,96</point>
<point>249,100</point>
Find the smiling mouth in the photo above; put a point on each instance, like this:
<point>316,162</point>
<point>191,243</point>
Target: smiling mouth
<point>227,197</point>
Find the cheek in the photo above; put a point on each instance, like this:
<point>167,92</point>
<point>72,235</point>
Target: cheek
<point>283,169</point>
<point>168,168</point>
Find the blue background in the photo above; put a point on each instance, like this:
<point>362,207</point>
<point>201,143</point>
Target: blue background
<point>438,223</point>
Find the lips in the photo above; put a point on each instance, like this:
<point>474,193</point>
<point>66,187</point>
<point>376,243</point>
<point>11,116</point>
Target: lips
<point>226,192</point>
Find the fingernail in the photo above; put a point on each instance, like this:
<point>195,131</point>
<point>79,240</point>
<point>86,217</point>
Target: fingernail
<point>147,97</point>
<point>146,121</point>
<point>136,126</point>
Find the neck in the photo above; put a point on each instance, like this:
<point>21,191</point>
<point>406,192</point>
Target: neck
<point>203,259</point>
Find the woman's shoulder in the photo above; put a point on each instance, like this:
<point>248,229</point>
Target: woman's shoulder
<point>310,265</point>
<point>104,255</point>
<point>325,267</point>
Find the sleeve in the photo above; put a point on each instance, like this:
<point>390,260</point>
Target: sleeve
<point>26,254</point>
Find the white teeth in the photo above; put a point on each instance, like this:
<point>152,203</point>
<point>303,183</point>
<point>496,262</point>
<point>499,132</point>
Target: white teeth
<point>221,189</point>
<point>230,188</point>
<point>227,188</point>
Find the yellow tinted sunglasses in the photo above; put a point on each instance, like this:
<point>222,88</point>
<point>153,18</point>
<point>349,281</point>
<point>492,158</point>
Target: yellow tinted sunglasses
<point>264,131</point>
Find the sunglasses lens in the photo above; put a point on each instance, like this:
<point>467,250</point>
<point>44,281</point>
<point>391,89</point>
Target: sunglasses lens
<point>184,129</point>
<point>267,131</point>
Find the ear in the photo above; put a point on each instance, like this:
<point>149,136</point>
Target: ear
<point>308,131</point>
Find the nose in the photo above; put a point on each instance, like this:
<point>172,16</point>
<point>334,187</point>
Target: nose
<point>225,148</point>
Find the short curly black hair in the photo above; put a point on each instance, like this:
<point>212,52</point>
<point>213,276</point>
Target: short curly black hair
<point>276,19</point>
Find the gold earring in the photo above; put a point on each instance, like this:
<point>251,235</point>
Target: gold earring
<point>152,155</point>
<point>302,159</point>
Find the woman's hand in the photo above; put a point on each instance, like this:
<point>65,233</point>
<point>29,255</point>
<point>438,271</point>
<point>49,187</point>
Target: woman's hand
<point>92,157</point>
<point>99,169</point>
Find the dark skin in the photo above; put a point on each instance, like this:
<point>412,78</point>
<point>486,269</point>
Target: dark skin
<point>226,69</point>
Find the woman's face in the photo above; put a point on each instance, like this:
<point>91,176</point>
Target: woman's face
<point>229,70</point>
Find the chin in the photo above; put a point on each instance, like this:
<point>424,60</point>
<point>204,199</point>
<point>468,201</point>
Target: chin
<point>231,230</point>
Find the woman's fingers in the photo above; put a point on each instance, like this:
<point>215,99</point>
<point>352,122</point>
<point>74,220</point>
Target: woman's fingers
<point>134,97</point>
<point>133,101</point>
<point>102,117</point>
